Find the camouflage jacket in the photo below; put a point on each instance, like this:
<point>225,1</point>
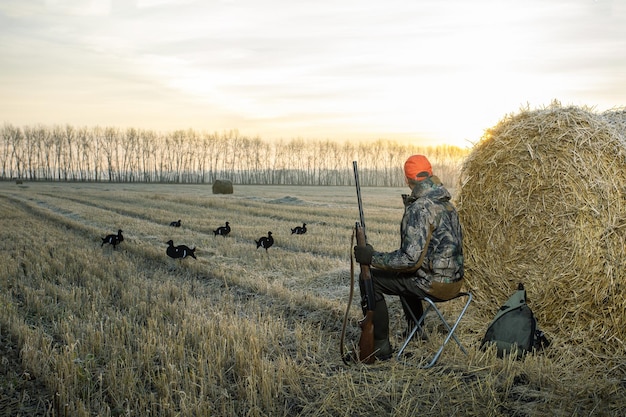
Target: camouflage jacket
<point>431,247</point>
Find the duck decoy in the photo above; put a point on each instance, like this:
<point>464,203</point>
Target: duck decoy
<point>113,239</point>
<point>299,230</point>
<point>222,230</point>
<point>180,251</point>
<point>265,241</point>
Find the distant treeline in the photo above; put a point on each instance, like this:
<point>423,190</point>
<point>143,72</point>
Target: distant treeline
<point>68,153</point>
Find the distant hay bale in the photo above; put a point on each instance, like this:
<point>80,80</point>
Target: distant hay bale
<point>542,201</point>
<point>222,187</point>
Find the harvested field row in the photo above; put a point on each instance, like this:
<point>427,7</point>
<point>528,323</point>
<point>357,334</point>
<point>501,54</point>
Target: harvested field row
<point>239,331</point>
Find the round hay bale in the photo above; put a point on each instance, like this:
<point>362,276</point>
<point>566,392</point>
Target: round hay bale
<point>222,187</point>
<point>542,202</point>
<point>617,119</point>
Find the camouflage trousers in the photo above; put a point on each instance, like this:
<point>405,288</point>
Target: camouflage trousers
<point>394,283</point>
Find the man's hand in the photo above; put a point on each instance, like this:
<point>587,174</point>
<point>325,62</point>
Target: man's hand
<point>363,254</point>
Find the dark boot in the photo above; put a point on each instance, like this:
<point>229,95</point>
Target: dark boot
<point>382,347</point>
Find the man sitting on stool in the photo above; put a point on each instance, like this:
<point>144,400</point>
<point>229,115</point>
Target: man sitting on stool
<point>429,261</point>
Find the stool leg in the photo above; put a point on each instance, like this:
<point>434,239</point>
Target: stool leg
<point>450,329</point>
<point>418,325</point>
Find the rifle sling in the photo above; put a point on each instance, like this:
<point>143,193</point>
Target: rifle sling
<point>345,317</point>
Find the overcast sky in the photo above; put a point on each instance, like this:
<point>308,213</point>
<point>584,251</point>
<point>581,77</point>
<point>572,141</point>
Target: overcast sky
<point>424,70</point>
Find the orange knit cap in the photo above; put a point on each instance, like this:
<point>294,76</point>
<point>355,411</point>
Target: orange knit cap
<point>417,168</point>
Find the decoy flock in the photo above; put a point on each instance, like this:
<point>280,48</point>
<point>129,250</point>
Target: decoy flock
<point>184,251</point>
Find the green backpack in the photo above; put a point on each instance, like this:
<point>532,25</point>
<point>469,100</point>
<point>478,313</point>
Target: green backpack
<point>514,328</point>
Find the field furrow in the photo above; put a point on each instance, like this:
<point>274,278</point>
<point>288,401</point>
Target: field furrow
<point>239,331</point>
<point>87,306</point>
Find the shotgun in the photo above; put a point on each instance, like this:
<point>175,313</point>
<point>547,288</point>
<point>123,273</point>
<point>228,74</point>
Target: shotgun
<point>368,300</point>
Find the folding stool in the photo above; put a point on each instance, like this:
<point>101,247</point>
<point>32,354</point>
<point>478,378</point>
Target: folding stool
<point>450,329</point>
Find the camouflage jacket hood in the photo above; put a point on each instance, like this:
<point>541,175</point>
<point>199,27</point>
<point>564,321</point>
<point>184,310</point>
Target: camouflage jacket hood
<point>431,238</point>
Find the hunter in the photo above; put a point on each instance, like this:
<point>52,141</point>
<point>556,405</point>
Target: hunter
<point>429,261</point>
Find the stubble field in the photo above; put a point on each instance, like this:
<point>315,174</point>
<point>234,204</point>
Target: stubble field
<point>88,330</point>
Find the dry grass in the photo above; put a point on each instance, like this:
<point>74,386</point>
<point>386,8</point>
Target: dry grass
<point>238,331</point>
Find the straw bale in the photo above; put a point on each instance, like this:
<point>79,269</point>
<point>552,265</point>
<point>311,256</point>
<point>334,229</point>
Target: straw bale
<point>617,119</point>
<point>542,201</point>
<point>222,187</point>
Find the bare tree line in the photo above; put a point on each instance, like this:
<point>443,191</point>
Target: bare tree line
<point>68,153</point>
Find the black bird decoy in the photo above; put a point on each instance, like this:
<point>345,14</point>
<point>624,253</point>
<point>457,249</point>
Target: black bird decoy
<point>299,230</point>
<point>113,239</point>
<point>265,241</point>
<point>180,251</point>
<point>222,230</point>
<point>175,224</point>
